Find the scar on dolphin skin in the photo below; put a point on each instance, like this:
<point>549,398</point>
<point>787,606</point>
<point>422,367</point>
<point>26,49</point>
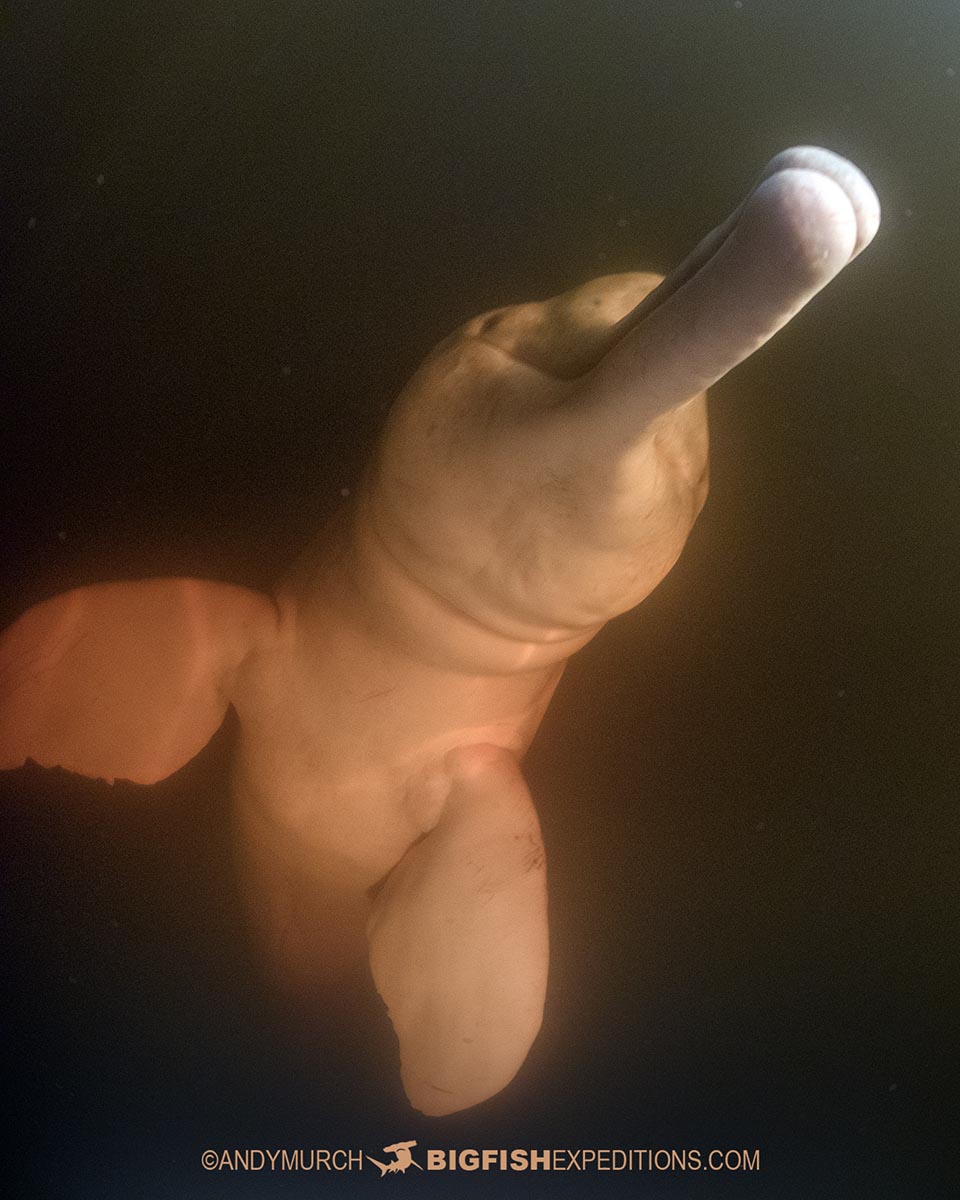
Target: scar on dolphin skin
<point>538,475</point>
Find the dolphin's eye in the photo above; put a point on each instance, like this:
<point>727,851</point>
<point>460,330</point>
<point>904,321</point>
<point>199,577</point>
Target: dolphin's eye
<point>491,322</point>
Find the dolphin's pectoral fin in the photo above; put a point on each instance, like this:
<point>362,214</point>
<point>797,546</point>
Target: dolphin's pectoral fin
<point>124,680</point>
<point>458,938</point>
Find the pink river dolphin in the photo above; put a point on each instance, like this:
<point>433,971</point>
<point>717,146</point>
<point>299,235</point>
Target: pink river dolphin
<point>538,475</point>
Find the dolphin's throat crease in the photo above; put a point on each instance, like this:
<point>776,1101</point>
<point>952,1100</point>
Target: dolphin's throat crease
<point>537,476</point>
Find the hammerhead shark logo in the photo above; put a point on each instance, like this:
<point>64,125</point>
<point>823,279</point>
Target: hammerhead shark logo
<point>401,1160</point>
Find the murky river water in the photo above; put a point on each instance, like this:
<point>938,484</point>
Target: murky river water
<point>231,230</point>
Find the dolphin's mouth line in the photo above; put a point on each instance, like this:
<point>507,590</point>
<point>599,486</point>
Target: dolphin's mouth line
<point>691,266</point>
<point>863,201</point>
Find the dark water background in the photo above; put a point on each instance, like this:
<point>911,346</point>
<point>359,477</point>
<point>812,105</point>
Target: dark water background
<point>230,231</point>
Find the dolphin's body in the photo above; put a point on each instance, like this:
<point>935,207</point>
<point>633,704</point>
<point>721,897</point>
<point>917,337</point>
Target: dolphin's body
<point>538,475</point>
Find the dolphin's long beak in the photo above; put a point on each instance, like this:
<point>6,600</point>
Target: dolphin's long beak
<point>807,216</point>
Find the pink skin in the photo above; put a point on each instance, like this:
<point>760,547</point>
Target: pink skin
<point>538,475</point>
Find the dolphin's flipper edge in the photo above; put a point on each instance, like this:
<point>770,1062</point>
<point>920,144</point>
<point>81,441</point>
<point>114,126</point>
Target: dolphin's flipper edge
<point>124,680</point>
